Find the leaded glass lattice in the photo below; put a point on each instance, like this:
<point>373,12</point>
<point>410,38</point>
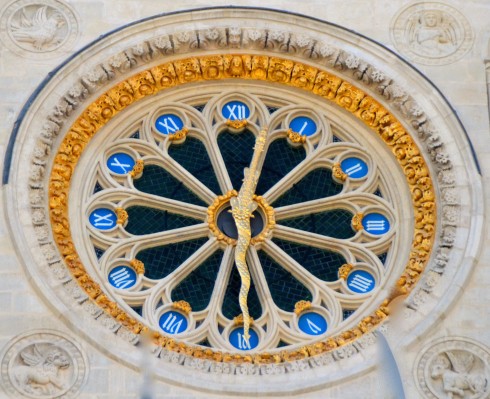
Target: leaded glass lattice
<point>192,155</point>
<point>280,160</point>
<point>144,220</point>
<point>157,181</point>
<point>317,184</point>
<point>236,150</point>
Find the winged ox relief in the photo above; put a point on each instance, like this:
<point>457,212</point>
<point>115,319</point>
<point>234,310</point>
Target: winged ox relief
<point>459,380</point>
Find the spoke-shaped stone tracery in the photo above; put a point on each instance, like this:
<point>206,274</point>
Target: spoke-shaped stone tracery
<point>317,266</point>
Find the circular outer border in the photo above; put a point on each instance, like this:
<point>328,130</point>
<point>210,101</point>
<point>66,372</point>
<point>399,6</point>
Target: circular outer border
<point>62,97</point>
<point>56,338</point>
<point>262,68</point>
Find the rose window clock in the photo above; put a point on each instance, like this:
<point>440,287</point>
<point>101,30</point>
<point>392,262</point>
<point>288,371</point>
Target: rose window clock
<point>240,217</point>
<point>238,221</point>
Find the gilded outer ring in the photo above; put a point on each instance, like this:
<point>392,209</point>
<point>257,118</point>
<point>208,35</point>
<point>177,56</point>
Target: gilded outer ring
<point>262,68</point>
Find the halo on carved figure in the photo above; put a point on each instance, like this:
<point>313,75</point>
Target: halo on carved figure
<point>453,367</point>
<point>431,33</point>
<point>43,364</point>
<point>40,29</point>
<point>303,61</point>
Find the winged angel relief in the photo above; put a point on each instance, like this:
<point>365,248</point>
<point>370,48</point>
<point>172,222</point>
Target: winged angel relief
<point>458,379</point>
<point>433,33</point>
<point>40,28</point>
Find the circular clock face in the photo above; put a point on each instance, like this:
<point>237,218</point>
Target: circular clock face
<point>158,215</point>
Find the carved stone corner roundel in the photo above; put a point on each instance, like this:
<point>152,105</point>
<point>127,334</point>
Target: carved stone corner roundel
<point>42,364</point>
<point>38,28</point>
<point>454,368</point>
<point>431,33</point>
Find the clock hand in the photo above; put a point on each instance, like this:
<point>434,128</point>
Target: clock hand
<point>242,208</point>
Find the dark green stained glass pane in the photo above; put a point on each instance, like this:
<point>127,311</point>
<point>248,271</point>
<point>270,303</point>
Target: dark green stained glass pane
<point>281,158</point>
<point>97,188</point>
<point>156,180</point>
<point>321,263</point>
<point>192,155</point>
<point>205,343</point>
<point>282,344</point>
<point>144,220</point>
<point>163,260</point>
<point>336,223</point>
<point>284,288</point>
<point>316,184</point>
<point>346,313</point>
<point>231,307</point>
<point>198,286</point>
<point>236,150</point>
<point>138,309</point>
<point>382,257</point>
<point>99,252</point>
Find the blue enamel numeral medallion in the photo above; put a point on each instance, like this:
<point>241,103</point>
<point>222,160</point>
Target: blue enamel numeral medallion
<point>354,167</point>
<point>375,223</point>
<point>303,125</point>
<point>169,124</point>
<point>238,340</point>
<point>103,219</point>
<point>360,281</point>
<point>122,277</point>
<point>120,163</point>
<point>235,111</point>
<point>312,323</point>
<point>173,322</point>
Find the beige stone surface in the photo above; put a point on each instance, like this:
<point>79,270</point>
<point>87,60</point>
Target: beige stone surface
<point>463,82</point>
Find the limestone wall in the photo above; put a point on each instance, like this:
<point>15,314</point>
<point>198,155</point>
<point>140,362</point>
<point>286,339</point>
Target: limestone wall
<point>451,52</point>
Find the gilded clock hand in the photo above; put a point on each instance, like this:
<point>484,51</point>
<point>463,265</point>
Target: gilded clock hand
<point>242,208</point>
